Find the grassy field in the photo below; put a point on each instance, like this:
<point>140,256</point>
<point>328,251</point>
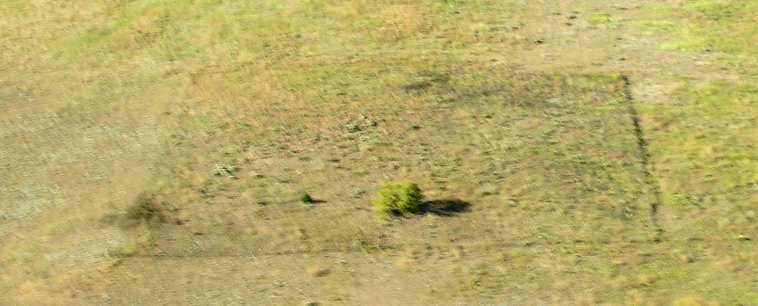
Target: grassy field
<point>570,152</point>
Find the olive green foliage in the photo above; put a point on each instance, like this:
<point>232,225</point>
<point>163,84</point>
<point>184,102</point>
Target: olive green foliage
<point>306,198</point>
<point>145,208</point>
<point>398,199</point>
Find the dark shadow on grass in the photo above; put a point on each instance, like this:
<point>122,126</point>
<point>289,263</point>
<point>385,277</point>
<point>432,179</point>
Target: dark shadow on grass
<point>313,201</point>
<point>446,207</point>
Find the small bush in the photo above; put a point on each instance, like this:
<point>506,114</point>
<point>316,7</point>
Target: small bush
<point>145,208</point>
<point>398,199</point>
<point>306,198</point>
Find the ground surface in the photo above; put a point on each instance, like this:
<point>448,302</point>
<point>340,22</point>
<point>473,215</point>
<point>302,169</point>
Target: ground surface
<point>572,152</point>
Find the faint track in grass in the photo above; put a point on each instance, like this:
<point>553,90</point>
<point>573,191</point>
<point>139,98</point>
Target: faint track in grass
<point>353,250</point>
<point>644,153</point>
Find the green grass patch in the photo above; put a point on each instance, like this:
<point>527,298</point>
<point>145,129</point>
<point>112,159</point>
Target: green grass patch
<point>708,26</point>
<point>701,151</point>
<point>602,19</point>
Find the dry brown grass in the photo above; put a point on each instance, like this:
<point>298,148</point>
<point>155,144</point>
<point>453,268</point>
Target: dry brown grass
<point>693,301</point>
<point>316,271</point>
<point>401,22</point>
<point>504,106</point>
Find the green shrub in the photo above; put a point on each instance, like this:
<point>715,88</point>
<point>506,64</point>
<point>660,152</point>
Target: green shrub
<point>306,198</point>
<point>398,199</point>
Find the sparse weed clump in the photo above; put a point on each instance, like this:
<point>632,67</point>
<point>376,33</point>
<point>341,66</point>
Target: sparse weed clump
<point>145,208</point>
<point>124,250</point>
<point>398,199</point>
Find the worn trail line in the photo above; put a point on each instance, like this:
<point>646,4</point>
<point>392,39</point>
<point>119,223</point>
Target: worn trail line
<point>354,250</point>
<point>642,147</point>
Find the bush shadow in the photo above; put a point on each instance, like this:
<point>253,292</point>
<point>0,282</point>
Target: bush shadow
<point>445,207</point>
